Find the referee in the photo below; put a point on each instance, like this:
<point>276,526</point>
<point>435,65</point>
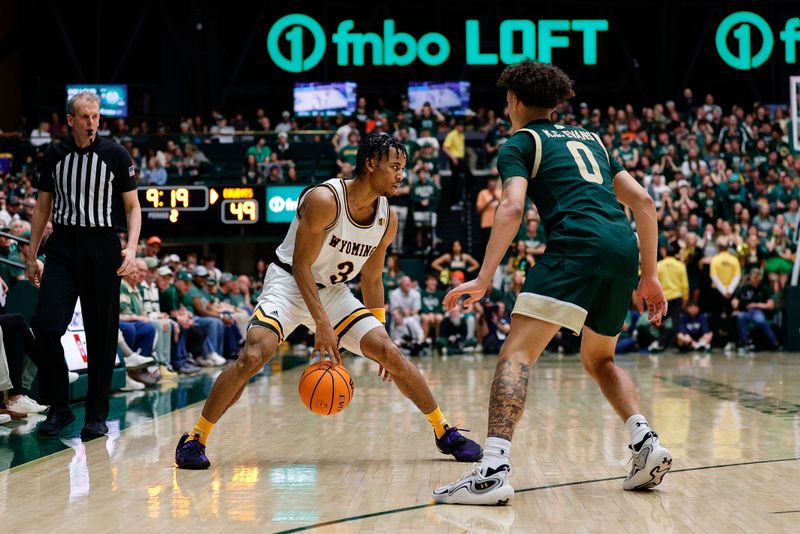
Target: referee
<point>86,183</point>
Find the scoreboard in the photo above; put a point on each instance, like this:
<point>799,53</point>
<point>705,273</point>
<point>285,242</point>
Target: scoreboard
<point>216,207</point>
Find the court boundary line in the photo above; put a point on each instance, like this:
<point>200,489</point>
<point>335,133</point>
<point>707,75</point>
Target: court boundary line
<point>524,490</point>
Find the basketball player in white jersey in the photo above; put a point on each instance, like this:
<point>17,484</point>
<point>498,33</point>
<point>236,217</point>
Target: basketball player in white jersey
<point>342,228</point>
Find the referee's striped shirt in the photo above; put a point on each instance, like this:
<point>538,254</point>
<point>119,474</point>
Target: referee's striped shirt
<point>87,183</point>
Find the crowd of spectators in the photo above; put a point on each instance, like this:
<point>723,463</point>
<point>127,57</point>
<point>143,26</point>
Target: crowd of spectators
<point>726,187</point>
<point>180,314</point>
<point>726,184</point>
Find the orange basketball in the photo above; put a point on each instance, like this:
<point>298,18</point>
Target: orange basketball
<point>326,389</point>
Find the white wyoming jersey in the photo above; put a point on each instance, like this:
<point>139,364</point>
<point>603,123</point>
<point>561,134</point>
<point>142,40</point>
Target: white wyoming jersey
<point>346,246</point>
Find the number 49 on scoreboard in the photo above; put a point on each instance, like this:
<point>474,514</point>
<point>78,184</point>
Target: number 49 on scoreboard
<point>240,211</point>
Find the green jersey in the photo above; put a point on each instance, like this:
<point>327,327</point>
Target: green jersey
<point>425,191</point>
<point>626,154</point>
<point>571,180</point>
<point>431,301</point>
<point>348,154</point>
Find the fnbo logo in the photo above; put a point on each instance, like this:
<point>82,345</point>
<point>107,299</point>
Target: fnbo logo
<point>431,48</point>
<point>291,27</point>
<point>742,25</point>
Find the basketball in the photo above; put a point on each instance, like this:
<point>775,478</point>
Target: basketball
<point>326,389</point>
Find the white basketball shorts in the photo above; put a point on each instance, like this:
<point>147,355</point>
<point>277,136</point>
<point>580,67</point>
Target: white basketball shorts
<point>281,308</point>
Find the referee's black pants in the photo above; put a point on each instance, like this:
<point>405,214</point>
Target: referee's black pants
<point>81,262</point>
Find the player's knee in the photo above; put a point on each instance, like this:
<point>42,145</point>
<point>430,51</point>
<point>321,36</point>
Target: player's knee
<point>390,357</point>
<point>254,357</point>
<point>594,364</point>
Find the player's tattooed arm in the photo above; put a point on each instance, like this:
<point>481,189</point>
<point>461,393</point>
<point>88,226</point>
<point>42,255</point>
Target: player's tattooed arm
<point>507,401</point>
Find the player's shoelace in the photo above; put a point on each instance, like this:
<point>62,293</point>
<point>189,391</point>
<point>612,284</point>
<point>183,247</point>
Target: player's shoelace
<point>634,452</point>
<point>474,470</point>
<point>454,430</point>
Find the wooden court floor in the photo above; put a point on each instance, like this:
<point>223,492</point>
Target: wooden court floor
<point>731,422</point>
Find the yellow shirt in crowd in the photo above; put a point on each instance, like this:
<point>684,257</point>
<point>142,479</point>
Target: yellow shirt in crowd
<point>674,279</point>
<point>455,143</point>
<point>725,268</point>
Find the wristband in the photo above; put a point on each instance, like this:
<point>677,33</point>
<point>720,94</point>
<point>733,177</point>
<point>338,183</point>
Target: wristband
<point>379,313</point>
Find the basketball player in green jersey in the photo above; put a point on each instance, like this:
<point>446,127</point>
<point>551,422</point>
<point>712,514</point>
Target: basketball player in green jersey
<point>583,282</point>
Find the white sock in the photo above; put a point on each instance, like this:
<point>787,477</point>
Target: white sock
<point>496,452</point>
<point>638,427</point>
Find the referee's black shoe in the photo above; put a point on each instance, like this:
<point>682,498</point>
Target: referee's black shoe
<point>57,420</point>
<point>93,429</point>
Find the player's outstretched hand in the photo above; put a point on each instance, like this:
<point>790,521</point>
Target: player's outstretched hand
<point>474,289</point>
<point>384,374</point>
<point>650,295</point>
<point>326,342</point>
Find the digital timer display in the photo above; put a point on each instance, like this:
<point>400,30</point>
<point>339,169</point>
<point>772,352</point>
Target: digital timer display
<point>199,205</point>
<point>166,198</point>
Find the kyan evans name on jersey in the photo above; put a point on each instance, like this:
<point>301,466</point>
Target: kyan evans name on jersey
<point>571,134</point>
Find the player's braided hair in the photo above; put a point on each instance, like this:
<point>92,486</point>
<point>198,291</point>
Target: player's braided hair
<point>537,84</point>
<point>377,146</point>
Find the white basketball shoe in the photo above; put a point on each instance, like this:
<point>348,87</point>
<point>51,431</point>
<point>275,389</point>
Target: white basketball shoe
<point>651,462</point>
<point>485,486</point>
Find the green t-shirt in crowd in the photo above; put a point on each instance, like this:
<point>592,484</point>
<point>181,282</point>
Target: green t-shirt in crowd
<point>431,301</point>
<point>8,273</point>
<point>432,164</point>
<point>169,299</point>
<point>411,147</point>
<point>262,154</point>
<point>188,298</point>
<point>427,191</point>
<point>348,154</point>
<point>234,299</point>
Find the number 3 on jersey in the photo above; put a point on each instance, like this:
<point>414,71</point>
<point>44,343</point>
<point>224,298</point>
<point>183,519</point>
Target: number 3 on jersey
<point>345,268</point>
<point>580,151</point>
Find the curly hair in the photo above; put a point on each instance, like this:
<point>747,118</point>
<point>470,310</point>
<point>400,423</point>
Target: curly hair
<point>377,145</point>
<point>537,84</point>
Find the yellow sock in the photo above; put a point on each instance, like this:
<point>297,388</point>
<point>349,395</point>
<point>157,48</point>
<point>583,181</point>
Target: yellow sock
<point>437,421</point>
<point>201,430</point>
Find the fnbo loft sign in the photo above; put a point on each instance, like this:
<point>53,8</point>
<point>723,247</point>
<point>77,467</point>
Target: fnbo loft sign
<point>519,39</point>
